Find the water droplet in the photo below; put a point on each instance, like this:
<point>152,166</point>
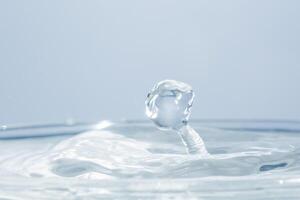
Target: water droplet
<point>169,105</point>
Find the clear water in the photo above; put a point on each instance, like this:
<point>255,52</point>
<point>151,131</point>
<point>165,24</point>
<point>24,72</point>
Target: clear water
<point>135,160</point>
<point>169,105</point>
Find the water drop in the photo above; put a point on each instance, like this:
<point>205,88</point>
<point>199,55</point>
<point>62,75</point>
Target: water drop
<point>169,105</point>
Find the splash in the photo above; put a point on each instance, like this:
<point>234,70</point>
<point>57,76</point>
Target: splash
<point>169,105</point>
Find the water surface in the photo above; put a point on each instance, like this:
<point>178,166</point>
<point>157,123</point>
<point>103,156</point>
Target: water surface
<point>134,160</point>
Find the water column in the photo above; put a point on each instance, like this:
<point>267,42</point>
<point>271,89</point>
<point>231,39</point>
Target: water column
<point>169,105</point>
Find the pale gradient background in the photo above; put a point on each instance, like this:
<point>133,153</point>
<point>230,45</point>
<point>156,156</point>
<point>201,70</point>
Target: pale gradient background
<point>93,60</point>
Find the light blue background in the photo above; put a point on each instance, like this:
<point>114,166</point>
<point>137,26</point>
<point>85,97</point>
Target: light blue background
<point>93,60</point>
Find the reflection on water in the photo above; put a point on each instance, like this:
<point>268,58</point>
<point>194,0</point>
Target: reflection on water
<point>250,160</point>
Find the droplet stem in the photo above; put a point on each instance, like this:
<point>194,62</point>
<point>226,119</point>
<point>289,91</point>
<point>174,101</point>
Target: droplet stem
<point>192,140</point>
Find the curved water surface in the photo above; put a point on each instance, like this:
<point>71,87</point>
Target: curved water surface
<point>249,160</point>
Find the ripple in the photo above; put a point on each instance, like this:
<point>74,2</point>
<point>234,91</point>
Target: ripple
<point>141,161</point>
